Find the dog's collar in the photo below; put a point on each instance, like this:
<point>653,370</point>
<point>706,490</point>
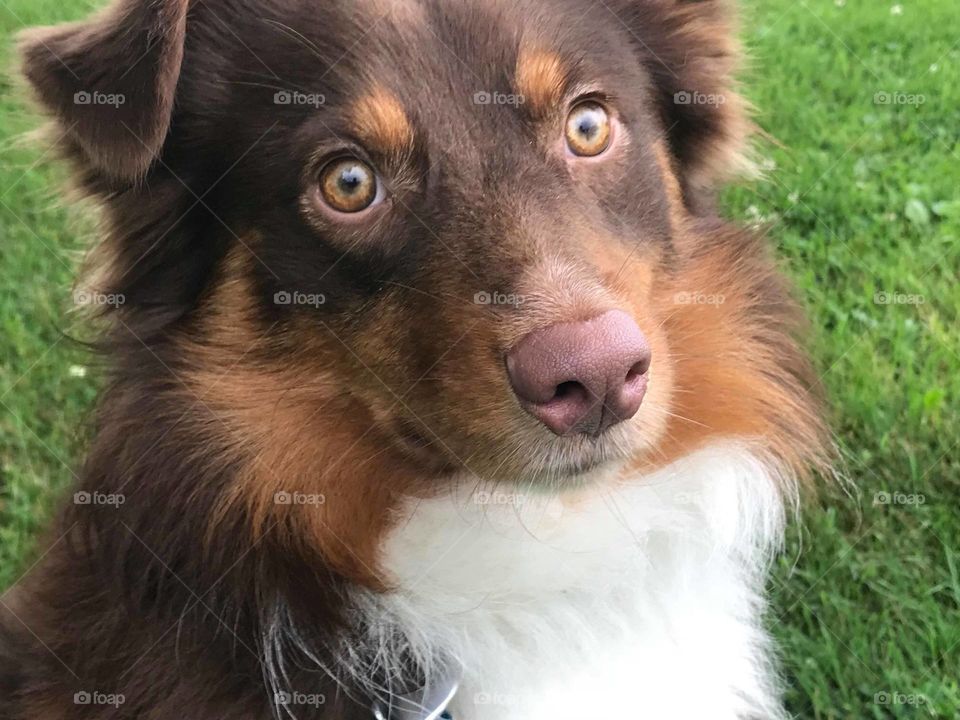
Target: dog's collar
<point>428,703</point>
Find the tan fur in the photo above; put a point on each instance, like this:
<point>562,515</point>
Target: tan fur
<point>724,367</point>
<point>540,78</point>
<point>401,13</point>
<point>380,120</point>
<point>739,372</point>
<point>678,214</point>
<point>294,431</point>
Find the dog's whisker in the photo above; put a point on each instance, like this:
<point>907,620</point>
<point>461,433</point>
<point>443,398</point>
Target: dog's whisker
<point>436,297</point>
<point>298,37</point>
<point>276,88</point>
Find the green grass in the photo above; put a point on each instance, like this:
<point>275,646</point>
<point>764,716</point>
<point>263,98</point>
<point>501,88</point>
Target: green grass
<point>42,404</point>
<point>862,198</point>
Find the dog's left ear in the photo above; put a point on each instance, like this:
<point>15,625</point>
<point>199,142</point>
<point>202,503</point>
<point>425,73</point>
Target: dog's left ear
<point>690,49</point>
<point>110,81</point>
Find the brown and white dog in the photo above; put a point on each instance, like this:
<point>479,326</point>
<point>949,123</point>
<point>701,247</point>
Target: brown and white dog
<point>437,386</point>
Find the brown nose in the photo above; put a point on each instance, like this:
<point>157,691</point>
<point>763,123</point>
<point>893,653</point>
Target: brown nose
<point>582,377</point>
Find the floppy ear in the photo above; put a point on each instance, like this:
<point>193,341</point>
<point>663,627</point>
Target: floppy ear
<point>690,48</point>
<point>110,81</point>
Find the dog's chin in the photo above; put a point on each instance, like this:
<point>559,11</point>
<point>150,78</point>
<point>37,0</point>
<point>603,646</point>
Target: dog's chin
<point>553,465</point>
<point>573,470</point>
<point>557,471</point>
<point>570,463</point>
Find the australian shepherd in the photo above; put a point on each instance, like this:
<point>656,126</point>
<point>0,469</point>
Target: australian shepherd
<point>437,386</point>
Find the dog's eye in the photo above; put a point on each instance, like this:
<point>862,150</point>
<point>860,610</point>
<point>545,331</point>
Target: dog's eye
<point>588,129</point>
<point>348,185</point>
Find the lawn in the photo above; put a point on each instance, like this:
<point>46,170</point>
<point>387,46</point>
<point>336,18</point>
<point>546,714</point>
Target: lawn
<point>862,195</point>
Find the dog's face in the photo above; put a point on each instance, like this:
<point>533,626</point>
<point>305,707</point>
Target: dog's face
<point>460,236</point>
<point>417,211</point>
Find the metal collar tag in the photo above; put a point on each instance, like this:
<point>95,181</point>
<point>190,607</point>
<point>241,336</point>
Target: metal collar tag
<point>427,703</point>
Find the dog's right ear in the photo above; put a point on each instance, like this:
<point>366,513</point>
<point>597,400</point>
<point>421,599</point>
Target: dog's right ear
<point>110,81</point>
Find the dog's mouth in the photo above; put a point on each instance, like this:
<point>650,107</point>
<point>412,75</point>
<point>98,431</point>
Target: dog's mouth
<point>567,462</point>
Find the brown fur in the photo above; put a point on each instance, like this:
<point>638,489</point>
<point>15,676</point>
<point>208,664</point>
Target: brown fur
<point>61,62</point>
<point>202,594</point>
<point>273,418</point>
<point>694,49</point>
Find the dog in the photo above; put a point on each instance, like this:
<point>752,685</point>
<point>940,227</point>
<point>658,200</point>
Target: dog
<point>436,386</point>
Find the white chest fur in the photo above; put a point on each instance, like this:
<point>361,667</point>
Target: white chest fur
<point>641,600</point>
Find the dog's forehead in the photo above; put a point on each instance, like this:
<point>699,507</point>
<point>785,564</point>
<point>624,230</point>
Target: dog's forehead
<point>395,65</point>
<point>412,13</point>
<point>428,45</point>
<point>503,19</point>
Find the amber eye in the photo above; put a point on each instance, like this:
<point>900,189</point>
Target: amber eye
<point>588,129</point>
<point>348,185</point>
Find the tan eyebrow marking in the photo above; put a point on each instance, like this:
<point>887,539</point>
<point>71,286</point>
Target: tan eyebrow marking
<point>408,12</point>
<point>540,77</point>
<point>379,119</point>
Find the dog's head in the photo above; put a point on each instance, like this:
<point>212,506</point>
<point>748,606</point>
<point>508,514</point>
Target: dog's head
<point>470,236</point>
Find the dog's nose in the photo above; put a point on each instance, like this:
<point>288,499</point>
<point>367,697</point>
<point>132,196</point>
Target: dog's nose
<point>581,377</point>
